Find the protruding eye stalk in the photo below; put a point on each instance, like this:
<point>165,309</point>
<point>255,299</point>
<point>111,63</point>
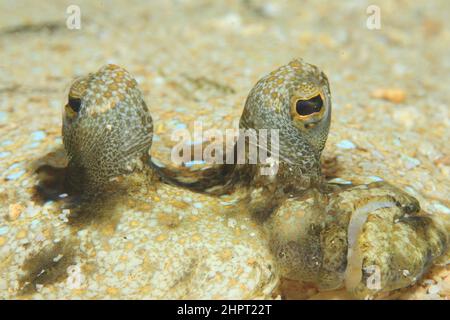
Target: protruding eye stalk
<point>309,110</point>
<point>74,104</point>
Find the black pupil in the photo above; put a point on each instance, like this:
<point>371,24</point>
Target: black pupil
<point>307,107</point>
<point>75,104</point>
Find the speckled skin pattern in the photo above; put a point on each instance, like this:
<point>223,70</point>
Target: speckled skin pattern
<point>271,104</point>
<point>110,132</point>
<point>107,129</point>
<point>399,241</point>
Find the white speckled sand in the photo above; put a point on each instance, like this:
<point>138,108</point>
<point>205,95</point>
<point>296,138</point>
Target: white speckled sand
<point>390,120</point>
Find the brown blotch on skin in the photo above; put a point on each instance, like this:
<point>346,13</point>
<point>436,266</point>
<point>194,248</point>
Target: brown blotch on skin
<point>47,267</point>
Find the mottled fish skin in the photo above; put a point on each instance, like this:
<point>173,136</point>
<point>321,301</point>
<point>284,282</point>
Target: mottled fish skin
<point>396,245</point>
<point>107,129</point>
<point>273,103</point>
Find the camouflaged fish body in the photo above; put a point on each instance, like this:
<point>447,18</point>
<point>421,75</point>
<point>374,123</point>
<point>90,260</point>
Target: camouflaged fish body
<point>337,240</point>
<point>391,246</point>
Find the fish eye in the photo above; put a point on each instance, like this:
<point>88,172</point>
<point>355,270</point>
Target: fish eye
<point>74,104</point>
<point>305,108</point>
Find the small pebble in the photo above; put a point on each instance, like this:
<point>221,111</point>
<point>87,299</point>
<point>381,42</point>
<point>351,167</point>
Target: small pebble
<point>180,126</point>
<point>6,143</point>
<point>4,230</point>
<point>14,166</point>
<point>393,95</point>
<point>375,179</point>
<point>445,160</point>
<point>34,223</point>
<point>339,181</point>
<point>32,211</point>
<point>228,203</point>
<point>410,163</point>
<point>346,144</point>
<point>397,142</point>
<point>15,210</point>
<point>441,208</point>
<point>38,135</point>
<point>198,205</point>
<point>16,175</point>
<point>158,81</point>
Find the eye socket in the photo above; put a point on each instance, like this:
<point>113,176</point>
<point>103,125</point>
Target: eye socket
<point>310,106</point>
<point>74,103</point>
